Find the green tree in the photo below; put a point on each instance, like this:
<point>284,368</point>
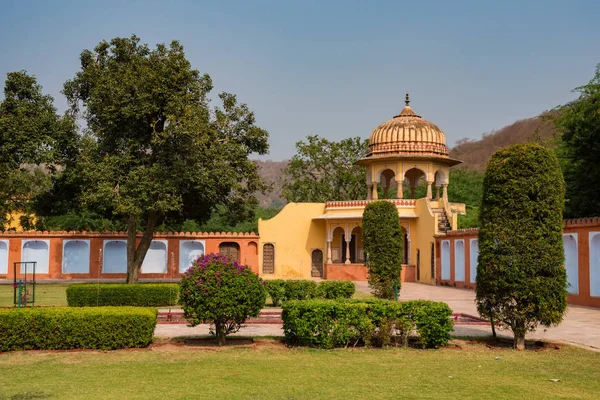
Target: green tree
<point>578,124</point>
<point>154,149</point>
<point>33,140</point>
<point>323,171</point>
<point>521,279</point>
<point>382,241</point>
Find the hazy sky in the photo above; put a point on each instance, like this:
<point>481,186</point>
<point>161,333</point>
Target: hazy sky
<point>335,68</point>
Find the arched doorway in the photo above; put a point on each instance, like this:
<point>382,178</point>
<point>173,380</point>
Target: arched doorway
<point>230,249</point>
<point>316,264</point>
<point>338,242</point>
<point>418,265</point>
<point>268,258</point>
<point>440,180</point>
<point>595,264</point>
<point>405,245</point>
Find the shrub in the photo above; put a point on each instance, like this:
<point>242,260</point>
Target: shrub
<point>341,323</point>
<point>382,241</point>
<point>300,289</point>
<point>276,290</point>
<point>335,290</point>
<point>521,281</point>
<point>219,290</point>
<point>64,328</point>
<point>122,294</point>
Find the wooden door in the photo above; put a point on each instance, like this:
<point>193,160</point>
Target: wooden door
<point>317,264</point>
<point>231,250</point>
<point>268,259</point>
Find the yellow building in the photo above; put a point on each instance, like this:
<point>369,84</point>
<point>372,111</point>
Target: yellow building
<point>324,240</point>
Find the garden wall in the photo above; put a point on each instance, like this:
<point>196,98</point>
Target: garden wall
<point>93,255</point>
<point>456,259</point>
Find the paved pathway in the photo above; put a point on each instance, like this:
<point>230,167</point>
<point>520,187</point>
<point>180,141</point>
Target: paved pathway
<point>581,325</point>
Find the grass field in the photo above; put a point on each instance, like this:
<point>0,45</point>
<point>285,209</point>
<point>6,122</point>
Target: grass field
<point>45,295</point>
<point>272,371</point>
<point>54,294</point>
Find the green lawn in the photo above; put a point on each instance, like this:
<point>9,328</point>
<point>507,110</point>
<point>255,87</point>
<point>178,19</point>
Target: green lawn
<point>52,294</point>
<point>274,372</point>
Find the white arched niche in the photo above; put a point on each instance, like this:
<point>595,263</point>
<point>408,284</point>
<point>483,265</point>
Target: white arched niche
<point>155,261</point>
<point>189,251</point>
<point>38,251</point>
<point>114,260</point>
<point>571,262</point>
<point>76,257</point>
<point>473,256</point>
<point>3,257</point>
<point>445,260</point>
<point>595,264</point>
<point>459,260</point>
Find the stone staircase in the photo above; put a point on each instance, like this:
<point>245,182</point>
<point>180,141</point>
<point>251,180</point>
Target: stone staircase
<point>443,222</point>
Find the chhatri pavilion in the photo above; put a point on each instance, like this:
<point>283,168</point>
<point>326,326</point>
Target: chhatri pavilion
<point>325,239</point>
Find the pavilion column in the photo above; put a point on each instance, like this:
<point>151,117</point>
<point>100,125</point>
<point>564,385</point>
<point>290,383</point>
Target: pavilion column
<point>437,192</point>
<point>374,196</point>
<point>329,252</point>
<point>445,191</point>
<point>429,195</point>
<point>385,192</point>
<point>399,193</point>
<point>369,191</point>
<point>347,250</point>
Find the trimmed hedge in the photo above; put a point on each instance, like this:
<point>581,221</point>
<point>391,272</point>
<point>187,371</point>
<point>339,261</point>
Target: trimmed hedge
<point>342,323</point>
<point>64,328</point>
<point>122,294</point>
<point>335,290</point>
<point>280,290</point>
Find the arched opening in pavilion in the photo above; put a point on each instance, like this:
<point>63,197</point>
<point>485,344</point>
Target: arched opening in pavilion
<point>415,184</point>
<point>388,186</point>
<point>338,242</point>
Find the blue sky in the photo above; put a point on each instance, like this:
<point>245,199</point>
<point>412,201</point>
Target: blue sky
<point>335,68</point>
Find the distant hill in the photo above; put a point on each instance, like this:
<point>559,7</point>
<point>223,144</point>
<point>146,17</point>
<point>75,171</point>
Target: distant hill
<point>474,153</point>
<point>272,173</point>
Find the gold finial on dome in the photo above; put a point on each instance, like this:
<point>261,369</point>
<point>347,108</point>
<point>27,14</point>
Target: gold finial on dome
<point>407,101</point>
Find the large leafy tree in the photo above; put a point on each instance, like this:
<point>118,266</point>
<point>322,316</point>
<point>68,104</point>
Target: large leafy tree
<point>382,241</point>
<point>579,125</point>
<point>34,139</point>
<point>521,279</point>
<point>153,147</point>
<point>323,171</point>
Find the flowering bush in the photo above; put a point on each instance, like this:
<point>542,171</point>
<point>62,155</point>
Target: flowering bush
<point>219,290</point>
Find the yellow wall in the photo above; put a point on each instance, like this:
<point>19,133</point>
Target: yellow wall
<point>294,235</point>
<point>422,238</point>
<point>13,221</point>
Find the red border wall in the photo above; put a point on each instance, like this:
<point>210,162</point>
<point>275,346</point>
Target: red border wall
<point>581,227</point>
<point>248,243</point>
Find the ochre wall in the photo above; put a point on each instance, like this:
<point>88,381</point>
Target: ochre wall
<point>248,251</point>
<point>423,231</point>
<point>580,227</point>
<point>294,234</point>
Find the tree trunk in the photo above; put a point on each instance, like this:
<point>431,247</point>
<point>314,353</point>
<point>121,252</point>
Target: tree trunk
<point>220,331</point>
<point>519,333</point>
<point>137,252</point>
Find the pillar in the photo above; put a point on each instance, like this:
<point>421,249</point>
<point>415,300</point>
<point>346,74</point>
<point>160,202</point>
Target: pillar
<point>399,193</point>
<point>445,191</point>
<point>437,192</point>
<point>329,252</point>
<point>369,191</point>
<point>374,196</point>
<point>348,248</point>
<point>429,195</point>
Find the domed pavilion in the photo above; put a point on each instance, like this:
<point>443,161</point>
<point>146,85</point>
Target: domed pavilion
<point>324,240</point>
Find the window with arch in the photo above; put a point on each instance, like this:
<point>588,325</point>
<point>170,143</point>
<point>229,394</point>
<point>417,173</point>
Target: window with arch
<point>446,260</point>
<point>3,256</point>
<point>37,251</point>
<point>268,258</point>
<point>76,257</point>
<point>189,251</point>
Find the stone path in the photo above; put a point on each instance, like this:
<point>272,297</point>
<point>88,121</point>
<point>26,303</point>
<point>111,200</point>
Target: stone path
<point>581,325</point>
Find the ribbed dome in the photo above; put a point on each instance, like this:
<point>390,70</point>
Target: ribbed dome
<point>407,134</point>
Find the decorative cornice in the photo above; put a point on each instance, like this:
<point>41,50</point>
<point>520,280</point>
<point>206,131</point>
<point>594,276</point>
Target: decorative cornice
<point>250,235</point>
<point>363,203</point>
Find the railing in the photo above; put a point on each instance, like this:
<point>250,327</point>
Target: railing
<point>363,203</point>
